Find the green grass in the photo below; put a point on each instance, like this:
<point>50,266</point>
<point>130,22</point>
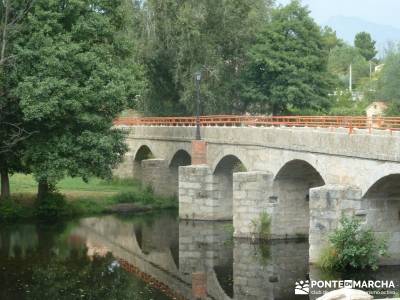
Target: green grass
<point>75,187</point>
<point>84,198</point>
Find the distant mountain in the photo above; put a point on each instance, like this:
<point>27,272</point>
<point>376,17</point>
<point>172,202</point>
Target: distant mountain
<point>347,27</point>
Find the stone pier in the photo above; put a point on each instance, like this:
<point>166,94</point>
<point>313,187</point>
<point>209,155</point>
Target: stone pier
<point>199,195</point>
<point>155,173</point>
<point>327,204</point>
<point>252,196</point>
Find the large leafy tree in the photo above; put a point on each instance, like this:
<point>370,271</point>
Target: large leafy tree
<point>366,45</point>
<point>75,74</point>
<point>12,130</point>
<point>288,67</point>
<point>182,37</point>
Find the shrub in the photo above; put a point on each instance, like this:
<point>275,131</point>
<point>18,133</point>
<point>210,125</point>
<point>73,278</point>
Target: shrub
<point>53,206</point>
<point>144,196</point>
<point>125,197</point>
<point>11,211</point>
<point>353,247</point>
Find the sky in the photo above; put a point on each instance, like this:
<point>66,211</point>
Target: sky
<point>385,12</point>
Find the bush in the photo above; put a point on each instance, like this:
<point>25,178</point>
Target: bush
<point>145,196</point>
<point>53,206</point>
<point>352,247</point>
<point>11,211</point>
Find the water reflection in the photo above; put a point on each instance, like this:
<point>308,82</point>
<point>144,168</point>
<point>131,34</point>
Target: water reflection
<point>169,260</point>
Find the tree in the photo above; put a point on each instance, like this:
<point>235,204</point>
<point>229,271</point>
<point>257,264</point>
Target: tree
<point>330,38</point>
<point>75,73</point>
<point>389,80</point>
<point>12,131</point>
<point>288,68</point>
<point>340,59</point>
<point>364,43</point>
<point>182,37</point>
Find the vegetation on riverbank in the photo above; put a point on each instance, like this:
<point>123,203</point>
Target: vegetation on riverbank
<point>352,247</point>
<point>73,197</point>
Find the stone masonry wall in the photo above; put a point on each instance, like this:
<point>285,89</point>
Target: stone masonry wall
<point>198,195</point>
<point>291,214</point>
<point>327,204</point>
<point>155,173</point>
<point>252,195</point>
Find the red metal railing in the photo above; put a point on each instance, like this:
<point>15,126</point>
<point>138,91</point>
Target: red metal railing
<point>349,122</point>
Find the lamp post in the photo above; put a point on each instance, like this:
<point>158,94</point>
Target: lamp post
<point>198,79</point>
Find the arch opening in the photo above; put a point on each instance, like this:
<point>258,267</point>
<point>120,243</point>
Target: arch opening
<point>382,203</point>
<point>223,176</point>
<point>291,194</point>
<point>181,158</point>
<point>142,153</point>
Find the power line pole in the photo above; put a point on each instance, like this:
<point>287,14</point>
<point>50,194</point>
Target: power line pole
<point>351,79</point>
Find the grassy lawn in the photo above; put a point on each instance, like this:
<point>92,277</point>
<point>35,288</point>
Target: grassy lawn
<point>94,197</point>
<point>75,188</point>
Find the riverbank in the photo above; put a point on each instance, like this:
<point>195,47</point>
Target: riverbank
<point>81,199</point>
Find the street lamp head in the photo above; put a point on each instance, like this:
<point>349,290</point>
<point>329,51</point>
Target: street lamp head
<point>198,76</point>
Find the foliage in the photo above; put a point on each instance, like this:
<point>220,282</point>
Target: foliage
<point>330,38</point>
<point>328,259</point>
<point>366,45</point>
<point>340,59</point>
<point>288,64</point>
<point>344,105</point>
<point>393,110</point>
<point>11,211</point>
<point>52,207</point>
<point>262,225</point>
<point>389,80</point>
<point>73,74</point>
<point>179,38</point>
<point>83,199</point>
<point>353,247</point>
<point>13,133</point>
<point>264,253</point>
<point>145,196</point>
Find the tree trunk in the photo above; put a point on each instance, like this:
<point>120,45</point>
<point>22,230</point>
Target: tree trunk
<point>43,189</point>
<point>4,33</point>
<point>5,183</point>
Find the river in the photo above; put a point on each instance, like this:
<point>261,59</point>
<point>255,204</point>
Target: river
<point>152,256</point>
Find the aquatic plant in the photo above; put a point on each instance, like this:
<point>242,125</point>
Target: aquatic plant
<point>262,225</point>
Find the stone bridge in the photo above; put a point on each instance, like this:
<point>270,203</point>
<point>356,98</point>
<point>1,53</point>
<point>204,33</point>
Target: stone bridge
<point>303,178</point>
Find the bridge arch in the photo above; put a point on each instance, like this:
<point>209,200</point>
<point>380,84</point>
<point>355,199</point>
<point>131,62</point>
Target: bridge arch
<point>143,152</point>
<point>291,187</point>
<point>180,158</point>
<point>382,201</point>
<point>223,178</point>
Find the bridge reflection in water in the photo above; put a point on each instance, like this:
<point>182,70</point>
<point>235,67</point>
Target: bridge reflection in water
<point>185,260</point>
<point>199,259</point>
